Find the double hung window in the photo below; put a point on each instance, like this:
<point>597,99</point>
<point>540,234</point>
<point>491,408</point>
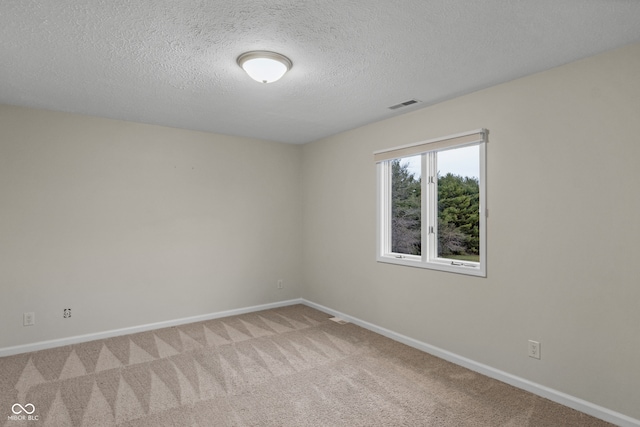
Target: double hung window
<point>432,204</point>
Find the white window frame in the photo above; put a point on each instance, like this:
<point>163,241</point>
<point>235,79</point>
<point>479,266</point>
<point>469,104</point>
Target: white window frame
<point>429,193</point>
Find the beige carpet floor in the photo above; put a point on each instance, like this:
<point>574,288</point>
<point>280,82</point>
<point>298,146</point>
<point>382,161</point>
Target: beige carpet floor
<point>289,366</point>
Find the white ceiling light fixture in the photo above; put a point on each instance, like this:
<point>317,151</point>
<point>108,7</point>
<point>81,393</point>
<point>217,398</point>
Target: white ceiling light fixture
<point>264,66</point>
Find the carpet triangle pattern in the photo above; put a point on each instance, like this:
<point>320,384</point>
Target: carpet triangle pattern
<point>289,366</point>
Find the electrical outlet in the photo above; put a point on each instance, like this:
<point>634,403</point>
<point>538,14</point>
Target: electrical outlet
<point>534,349</point>
<point>67,313</point>
<point>280,284</point>
<point>29,319</point>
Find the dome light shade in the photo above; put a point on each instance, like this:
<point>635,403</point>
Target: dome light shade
<point>263,66</point>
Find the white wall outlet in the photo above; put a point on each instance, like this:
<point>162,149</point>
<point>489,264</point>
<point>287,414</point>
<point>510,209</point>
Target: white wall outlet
<point>534,349</point>
<point>280,284</point>
<point>29,319</point>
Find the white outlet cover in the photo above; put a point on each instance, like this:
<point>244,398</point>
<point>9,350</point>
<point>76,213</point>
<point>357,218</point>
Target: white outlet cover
<point>29,319</point>
<point>534,349</point>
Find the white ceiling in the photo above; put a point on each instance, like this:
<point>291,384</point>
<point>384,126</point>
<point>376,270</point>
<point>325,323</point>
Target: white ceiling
<point>172,62</point>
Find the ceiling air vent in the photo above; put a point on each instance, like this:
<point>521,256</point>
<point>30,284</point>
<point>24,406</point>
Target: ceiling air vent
<point>404,104</point>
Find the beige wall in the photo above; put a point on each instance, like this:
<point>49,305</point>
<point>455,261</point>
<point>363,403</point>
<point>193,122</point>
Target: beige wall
<point>130,224</point>
<point>563,231</point>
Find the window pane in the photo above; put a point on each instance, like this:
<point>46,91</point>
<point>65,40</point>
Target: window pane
<point>406,205</point>
<point>459,203</point>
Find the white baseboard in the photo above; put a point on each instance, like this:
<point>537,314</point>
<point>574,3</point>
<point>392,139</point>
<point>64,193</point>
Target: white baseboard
<point>42,345</point>
<point>521,383</point>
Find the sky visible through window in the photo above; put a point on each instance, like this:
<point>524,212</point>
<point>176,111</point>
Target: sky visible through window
<point>460,161</point>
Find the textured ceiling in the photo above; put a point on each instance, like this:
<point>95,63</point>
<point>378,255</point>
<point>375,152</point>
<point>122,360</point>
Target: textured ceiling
<point>172,62</point>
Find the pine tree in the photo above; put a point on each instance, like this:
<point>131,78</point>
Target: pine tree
<point>405,210</point>
<point>458,215</point>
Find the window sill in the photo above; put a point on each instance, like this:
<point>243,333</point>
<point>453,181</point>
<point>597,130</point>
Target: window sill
<point>414,261</point>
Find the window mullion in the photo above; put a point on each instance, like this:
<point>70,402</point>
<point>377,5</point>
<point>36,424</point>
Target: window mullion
<point>429,202</point>
<point>433,205</point>
<point>424,214</point>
